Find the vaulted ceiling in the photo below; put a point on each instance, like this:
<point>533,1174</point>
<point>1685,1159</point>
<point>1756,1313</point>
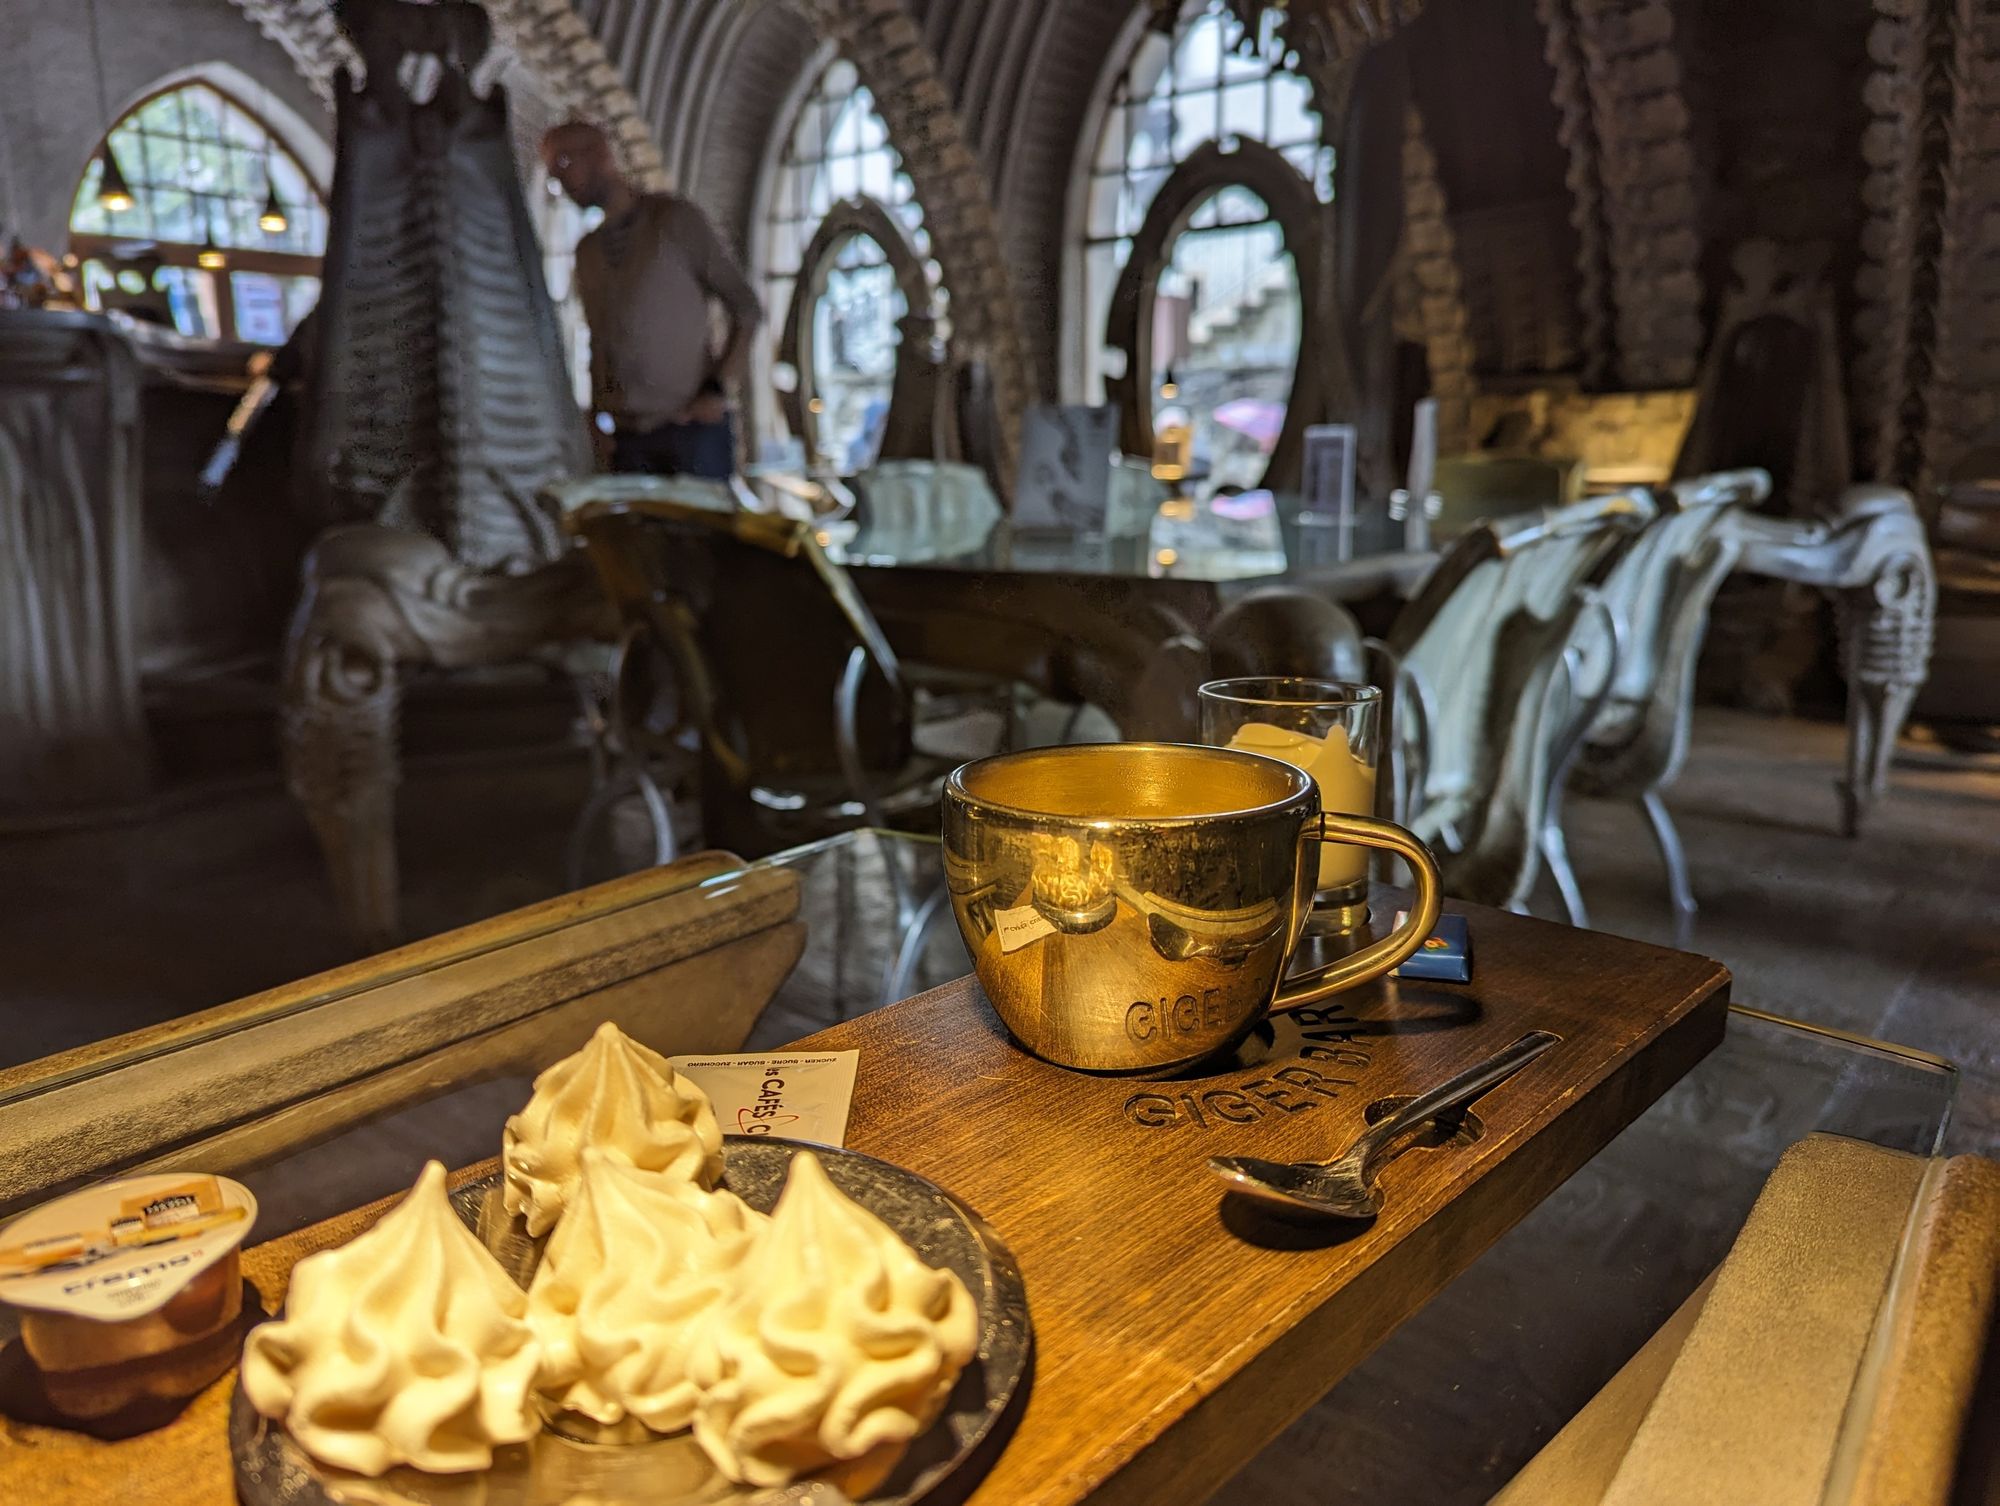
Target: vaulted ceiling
<point>1591,190</point>
<point>715,79</point>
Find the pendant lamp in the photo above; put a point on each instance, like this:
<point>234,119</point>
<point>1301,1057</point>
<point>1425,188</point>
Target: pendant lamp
<point>273,220</point>
<point>113,192</point>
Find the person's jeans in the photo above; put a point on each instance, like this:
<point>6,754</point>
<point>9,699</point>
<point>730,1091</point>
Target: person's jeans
<point>705,450</point>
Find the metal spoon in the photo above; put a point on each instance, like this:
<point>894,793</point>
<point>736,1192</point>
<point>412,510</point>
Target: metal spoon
<point>1345,1188</point>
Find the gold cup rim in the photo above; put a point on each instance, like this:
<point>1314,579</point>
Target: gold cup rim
<point>1299,785</point>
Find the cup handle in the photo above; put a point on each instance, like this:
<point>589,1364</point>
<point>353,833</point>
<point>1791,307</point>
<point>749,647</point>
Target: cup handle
<point>1378,957</point>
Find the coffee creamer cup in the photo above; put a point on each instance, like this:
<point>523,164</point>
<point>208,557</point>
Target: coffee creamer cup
<point>122,1249</point>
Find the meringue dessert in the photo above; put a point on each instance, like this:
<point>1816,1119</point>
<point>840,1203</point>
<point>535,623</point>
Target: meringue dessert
<point>407,1345</point>
<point>837,1341</point>
<point>620,1098</point>
<point>638,1261</point>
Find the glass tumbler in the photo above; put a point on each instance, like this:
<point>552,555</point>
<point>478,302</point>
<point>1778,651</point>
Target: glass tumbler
<point>1332,731</point>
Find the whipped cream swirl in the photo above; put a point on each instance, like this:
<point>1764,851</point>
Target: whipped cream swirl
<point>837,1341</point>
<point>639,1260</point>
<point>407,1345</point>
<point>615,1096</point>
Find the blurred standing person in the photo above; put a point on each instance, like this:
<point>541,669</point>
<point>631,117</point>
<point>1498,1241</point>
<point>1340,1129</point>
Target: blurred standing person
<point>646,276</point>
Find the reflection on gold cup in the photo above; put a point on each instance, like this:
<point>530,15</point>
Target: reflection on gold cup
<point>1072,880</point>
<point>1132,906</point>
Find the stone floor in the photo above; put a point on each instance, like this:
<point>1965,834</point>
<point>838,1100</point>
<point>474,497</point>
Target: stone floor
<point>1891,935</point>
<point>1895,934</point>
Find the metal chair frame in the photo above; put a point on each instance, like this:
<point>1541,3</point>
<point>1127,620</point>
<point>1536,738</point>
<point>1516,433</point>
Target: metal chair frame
<point>789,539</point>
<point>793,540</point>
<point>616,768</point>
<point>1502,609</point>
<point>1657,599</point>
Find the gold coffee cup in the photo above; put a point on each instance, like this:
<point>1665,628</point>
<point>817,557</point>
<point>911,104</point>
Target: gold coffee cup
<point>1133,906</point>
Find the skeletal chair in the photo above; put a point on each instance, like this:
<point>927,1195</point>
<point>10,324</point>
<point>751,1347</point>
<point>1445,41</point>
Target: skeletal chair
<point>1656,602</point>
<point>1280,630</point>
<point>1490,698</point>
<point>1772,394</point>
<point>805,716</point>
<point>1872,557</point>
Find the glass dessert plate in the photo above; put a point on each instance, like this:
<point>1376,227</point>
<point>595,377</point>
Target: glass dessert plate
<point>552,1468</point>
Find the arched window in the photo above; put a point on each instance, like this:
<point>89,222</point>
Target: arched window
<point>839,348</point>
<point>195,246</point>
<point>1222,292</point>
<point>1226,335</point>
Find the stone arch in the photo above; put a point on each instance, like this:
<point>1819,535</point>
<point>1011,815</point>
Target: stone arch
<point>910,428</point>
<point>546,37</point>
<point>1435,288</point>
<point>1301,222</point>
<point>306,142</point>
<point>1322,40</point>
<point>1925,390</point>
<point>1634,172</point>
<point>887,50</point>
<point>577,77</point>
<point>310,36</point>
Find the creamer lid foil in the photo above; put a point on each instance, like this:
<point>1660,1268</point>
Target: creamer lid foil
<point>122,1249</point>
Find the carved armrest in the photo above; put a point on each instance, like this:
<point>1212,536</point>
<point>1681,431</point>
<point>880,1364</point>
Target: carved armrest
<point>1873,555</point>
<point>1585,677</point>
<point>1871,529</point>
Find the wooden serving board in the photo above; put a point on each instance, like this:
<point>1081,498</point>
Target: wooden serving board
<point>1176,1330</point>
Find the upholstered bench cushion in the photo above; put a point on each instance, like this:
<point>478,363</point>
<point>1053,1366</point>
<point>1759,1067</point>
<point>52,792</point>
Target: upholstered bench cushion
<point>1832,1356</point>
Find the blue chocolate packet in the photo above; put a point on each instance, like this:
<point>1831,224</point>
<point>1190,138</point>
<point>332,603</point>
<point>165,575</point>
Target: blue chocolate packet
<point>1446,954</point>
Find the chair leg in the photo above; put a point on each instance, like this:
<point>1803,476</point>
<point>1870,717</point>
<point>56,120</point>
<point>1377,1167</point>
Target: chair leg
<point>339,736</point>
<point>632,775</point>
<point>1555,852</point>
<point>1875,716</point>
<point>594,805</point>
<point>1675,858</point>
<point>357,836</point>
<point>659,814</point>
<point>847,736</point>
<point>1554,847</point>
<point>896,982</point>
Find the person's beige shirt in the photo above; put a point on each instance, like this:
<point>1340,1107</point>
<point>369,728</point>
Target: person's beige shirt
<point>645,283</point>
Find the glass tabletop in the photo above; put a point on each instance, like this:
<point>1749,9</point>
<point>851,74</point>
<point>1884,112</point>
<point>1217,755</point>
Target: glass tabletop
<point>875,930</point>
<point>1537,1323</point>
<point>1184,540</point>
<point>1249,538</point>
